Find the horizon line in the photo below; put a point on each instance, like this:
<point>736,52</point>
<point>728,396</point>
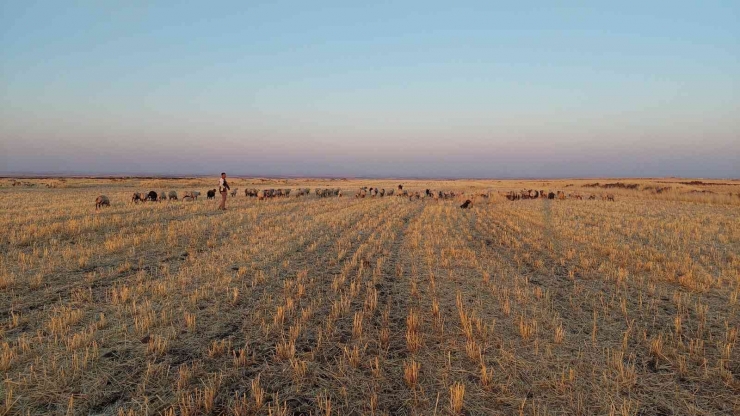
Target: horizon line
<point>53,175</point>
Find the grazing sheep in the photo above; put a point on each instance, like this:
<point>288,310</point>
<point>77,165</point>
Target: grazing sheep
<point>192,195</point>
<point>400,187</point>
<point>260,194</point>
<point>172,196</point>
<point>211,194</point>
<point>390,192</point>
<point>591,197</point>
<point>151,196</point>
<point>561,195</point>
<point>551,195</point>
<point>163,196</point>
<point>609,197</point>
<point>233,193</point>
<point>101,201</point>
<point>137,197</point>
<point>466,204</point>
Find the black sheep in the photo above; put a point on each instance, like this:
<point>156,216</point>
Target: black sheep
<point>466,204</point>
<point>211,194</point>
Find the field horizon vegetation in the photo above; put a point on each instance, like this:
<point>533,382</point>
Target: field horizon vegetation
<point>380,306</point>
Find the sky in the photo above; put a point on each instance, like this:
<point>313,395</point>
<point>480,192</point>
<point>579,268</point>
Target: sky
<point>385,89</point>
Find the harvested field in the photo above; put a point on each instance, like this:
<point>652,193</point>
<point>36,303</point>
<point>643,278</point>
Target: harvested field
<point>385,306</point>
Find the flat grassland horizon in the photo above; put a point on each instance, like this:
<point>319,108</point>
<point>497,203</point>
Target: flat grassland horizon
<point>385,306</point>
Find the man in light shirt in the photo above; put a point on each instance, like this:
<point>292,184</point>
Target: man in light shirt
<point>223,188</point>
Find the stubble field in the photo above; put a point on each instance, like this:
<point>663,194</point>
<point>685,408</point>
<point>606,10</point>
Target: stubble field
<point>380,306</point>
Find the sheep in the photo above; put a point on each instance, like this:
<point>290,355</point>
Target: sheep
<point>261,194</point>
<point>551,195</point>
<point>152,196</point>
<point>609,197</point>
<point>390,192</point>
<point>211,194</point>
<point>193,195</point>
<point>233,193</point>
<point>101,201</point>
<point>163,196</point>
<point>466,204</point>
<point>137,197</point>
<point>561,195</point>
<point>172,196</point>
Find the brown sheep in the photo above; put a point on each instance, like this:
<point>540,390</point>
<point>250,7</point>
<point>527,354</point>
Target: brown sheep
<point>192,195</point>
<point>101,201</point>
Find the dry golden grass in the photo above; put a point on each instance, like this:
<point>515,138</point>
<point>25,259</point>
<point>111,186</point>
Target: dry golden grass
<point>383,306</point>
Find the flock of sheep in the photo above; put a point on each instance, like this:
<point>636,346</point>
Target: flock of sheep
<point>372,192</point>
<point>535,194</point>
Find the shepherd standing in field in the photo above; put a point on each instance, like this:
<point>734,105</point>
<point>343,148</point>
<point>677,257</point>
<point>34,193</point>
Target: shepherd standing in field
<point>223,188</point>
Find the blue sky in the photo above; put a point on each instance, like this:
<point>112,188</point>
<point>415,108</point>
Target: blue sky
<point>389,89</point>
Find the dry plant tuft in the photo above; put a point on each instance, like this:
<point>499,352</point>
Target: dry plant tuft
<point>457,397</point>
